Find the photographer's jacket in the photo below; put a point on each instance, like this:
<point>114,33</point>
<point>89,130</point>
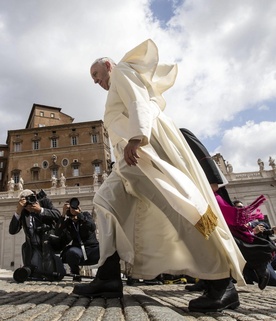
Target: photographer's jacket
<point>83,229</point>
<point>34,225</point>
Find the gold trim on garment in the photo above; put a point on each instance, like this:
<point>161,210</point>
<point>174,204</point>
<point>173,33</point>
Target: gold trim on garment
<point>207,223</point>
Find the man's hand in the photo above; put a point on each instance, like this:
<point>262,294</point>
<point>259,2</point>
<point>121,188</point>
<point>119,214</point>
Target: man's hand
<point>130,152</point>
<point>34,208</point>
<point>74,213</point>
<point>258,229</point>
<point>20,205</point>
<point>65,209</point>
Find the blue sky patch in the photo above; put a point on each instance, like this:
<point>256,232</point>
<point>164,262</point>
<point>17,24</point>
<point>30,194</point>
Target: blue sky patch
<point>163,10</point>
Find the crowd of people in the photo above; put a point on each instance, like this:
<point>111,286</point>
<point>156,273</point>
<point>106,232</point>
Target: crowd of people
<point>53,238</point>
<point>164,208</point>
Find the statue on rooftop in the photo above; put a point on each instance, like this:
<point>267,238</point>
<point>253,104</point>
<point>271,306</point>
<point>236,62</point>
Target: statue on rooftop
<point>11,184</point>
<point>229,167</point>
<point>54,181</point>
<point>62,180</point>
<point>271,162</point>
<point>95,178</point>
<point>21,184</point>
<point>104,176</point>
<point>261,164</point>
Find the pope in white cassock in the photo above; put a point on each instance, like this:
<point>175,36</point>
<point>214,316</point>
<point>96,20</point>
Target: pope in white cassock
<point>156,211</point>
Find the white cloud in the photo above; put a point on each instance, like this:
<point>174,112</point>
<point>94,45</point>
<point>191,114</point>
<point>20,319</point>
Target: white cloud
<point>243,146</point>
<point>263,108</point>
<point>225,51</point>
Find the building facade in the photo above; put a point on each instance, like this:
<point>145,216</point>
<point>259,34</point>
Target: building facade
<point>51,149</point>
<point>4,154</point>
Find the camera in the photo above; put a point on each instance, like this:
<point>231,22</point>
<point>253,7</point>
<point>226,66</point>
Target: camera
<point>268,232</point>
<point>74,203</point>
<point>33,198</point>
<point>22,274</point>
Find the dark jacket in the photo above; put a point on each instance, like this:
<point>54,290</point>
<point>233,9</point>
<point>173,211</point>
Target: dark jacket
<point>206,162</point>
<point>46,220</point>
<point>204,158</point>
<point>84,228</point>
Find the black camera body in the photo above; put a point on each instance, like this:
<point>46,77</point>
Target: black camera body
<point>268,232</point>
<point>33,198</point>
<point>74,203</point>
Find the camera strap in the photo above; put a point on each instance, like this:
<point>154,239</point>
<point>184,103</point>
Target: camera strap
<point>80,241</point>
<point>83,252</point>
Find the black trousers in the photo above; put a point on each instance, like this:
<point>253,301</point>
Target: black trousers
<point>73,256</point>
<point>257,253</point>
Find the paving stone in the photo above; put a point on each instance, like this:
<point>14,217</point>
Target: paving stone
<point>54,301</point>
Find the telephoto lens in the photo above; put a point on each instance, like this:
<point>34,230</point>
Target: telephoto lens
<point>20,275</point>
<point>74,203</point>
<point>31,199</point>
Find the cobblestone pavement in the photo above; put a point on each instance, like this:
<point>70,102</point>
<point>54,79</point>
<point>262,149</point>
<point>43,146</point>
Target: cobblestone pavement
<point>51,301</point>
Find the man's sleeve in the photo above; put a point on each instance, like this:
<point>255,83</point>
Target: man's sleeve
<point>49,210</point>
<point>135,96</point>
<point>15,225</point>
<point>88,221</point>
<point>205,160</point>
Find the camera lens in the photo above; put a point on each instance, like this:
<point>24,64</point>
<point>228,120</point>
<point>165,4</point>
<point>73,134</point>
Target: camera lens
<point>31,199</point>
<point>20,275</point>
<point>74,203</point>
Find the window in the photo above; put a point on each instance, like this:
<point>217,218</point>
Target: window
<point>1,153</point>
<point>53,142</point>
<point>52,115</point>
<point>16,178</point>
<point>41,114</point>
<point>45,164</point>
<point>35,176</point>
<point>65,162</point>
<point>76,171</point>
<point>55,172</point>
<point>35,145</point>
<point>97,168</point>
<point>17,147</point>
<point>74,140</point>
<point>94,138</point>
<point>1,176</point>
<point>1,164</point>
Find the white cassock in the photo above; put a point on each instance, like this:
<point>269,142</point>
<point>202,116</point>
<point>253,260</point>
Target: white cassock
<point>161,215</point>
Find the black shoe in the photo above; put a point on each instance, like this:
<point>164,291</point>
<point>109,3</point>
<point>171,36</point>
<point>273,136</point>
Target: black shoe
<point>198,286</point>
<point>130,281</point>
<point>263,276</point>
<point>77,278</point>
<point>153,282</point>
<point>216,299</point>
<point>112,288</point>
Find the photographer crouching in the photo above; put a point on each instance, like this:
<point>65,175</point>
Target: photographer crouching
<point>37,216</point>
<point>81,228</point>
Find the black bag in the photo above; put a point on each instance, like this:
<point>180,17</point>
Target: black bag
<point>52,265</point>
<point>45,264</point>
<point>260,251</point>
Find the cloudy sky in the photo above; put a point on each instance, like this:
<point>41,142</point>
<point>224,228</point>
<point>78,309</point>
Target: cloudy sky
<point>226,53</point>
